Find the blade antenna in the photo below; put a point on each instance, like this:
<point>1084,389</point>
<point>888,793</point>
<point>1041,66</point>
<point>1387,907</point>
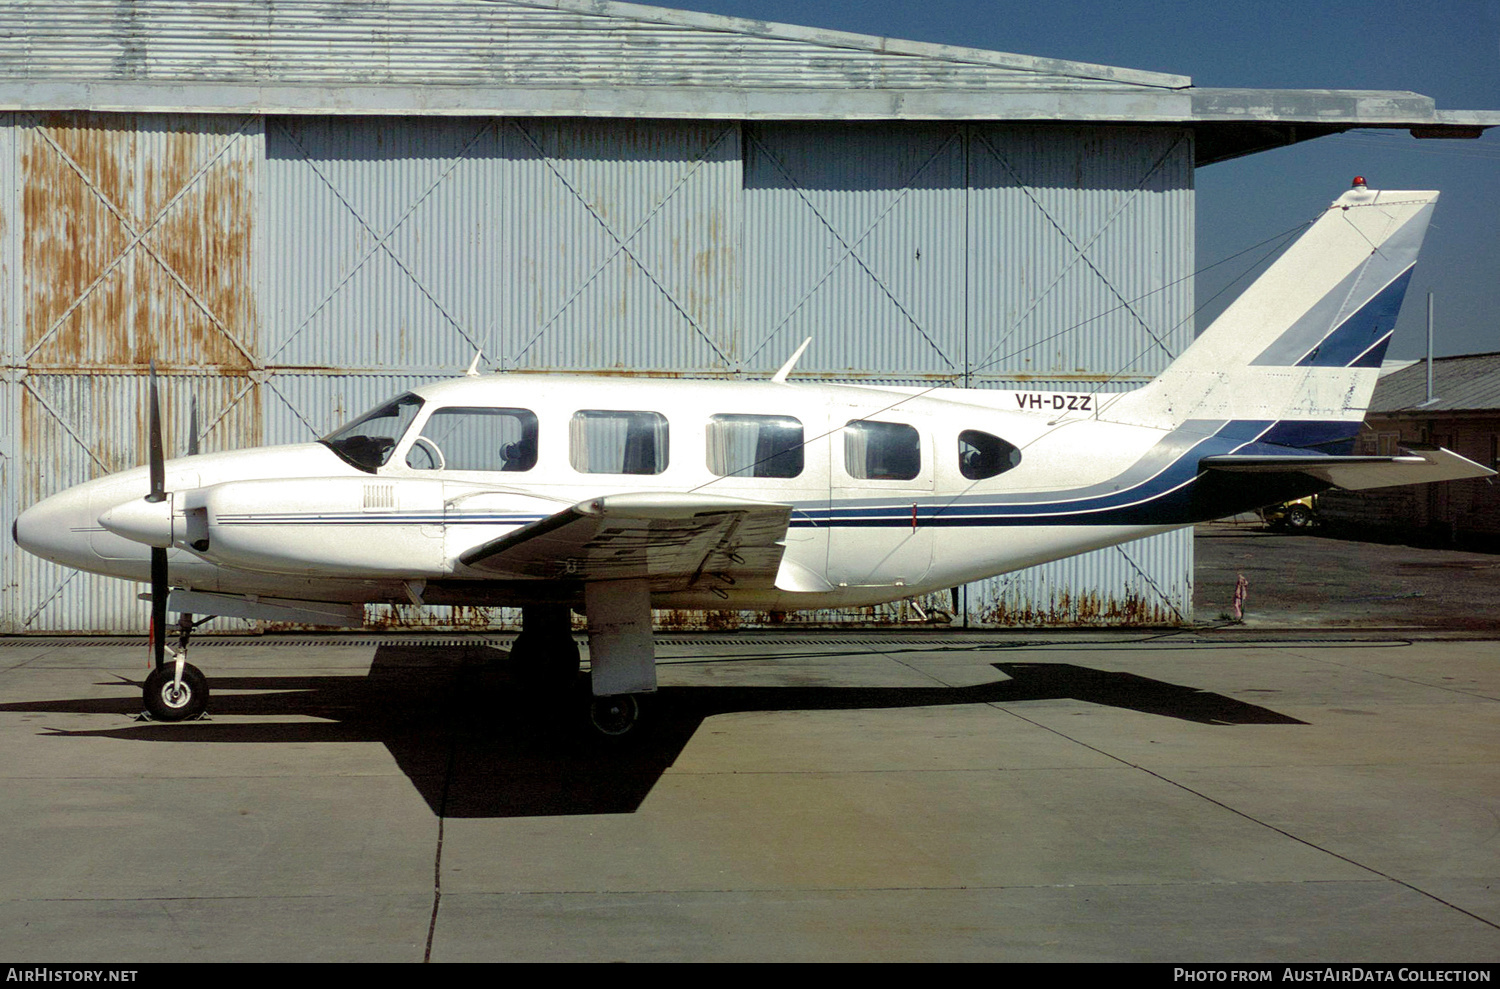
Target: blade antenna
<point>780,376</point>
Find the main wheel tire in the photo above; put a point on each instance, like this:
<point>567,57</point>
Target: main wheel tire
<point>616,718</point>
<point>1299,517</point>
<point>166,700</point>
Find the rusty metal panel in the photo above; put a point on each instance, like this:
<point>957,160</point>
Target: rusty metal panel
<point>11,459</point>
<point>138,240</point>
<point>1146,582</point>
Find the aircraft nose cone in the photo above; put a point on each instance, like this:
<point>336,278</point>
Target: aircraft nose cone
<point>54,529</point>
<point>142,521</point>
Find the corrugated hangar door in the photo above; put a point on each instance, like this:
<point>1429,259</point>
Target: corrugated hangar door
<point>1080,279</point>
<point>406,245</point>
<point>1040,257</point>
<point>130,237</point>
<point>397,248</point>
<point>292,272</point>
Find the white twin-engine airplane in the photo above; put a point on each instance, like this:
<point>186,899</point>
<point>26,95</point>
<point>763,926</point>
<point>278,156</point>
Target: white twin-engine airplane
<point>615,496</point>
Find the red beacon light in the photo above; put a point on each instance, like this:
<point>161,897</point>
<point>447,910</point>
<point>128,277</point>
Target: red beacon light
<point>1359,182</point>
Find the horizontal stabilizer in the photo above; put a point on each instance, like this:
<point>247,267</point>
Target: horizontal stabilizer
<point>1358,473</point>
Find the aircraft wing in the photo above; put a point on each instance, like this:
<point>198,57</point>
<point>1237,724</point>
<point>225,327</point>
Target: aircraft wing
<point>1415,466</point>
<point>671,539</point>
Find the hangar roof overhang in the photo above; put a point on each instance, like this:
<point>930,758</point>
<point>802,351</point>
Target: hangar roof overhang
<point>598,58</point>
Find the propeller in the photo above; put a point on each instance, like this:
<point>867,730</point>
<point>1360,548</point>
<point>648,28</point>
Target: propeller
<point>159,588</point>
<point>178,692</point>
<point>193,427</point>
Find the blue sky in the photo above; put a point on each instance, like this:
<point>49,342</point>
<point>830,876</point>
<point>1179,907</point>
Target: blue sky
<point>1446,49</point>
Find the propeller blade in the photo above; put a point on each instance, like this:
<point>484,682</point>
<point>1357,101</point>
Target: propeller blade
<point>159,589</point>
<point>192,450</point>
<point>159,592</point>
<point>158,458</point>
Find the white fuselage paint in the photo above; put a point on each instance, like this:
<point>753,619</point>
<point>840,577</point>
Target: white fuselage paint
<point>299,522</point>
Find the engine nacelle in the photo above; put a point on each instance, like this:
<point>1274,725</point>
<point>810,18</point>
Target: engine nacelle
<point>319,526</point>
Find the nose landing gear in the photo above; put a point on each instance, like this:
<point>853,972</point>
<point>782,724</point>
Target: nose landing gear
<point>176,690</point>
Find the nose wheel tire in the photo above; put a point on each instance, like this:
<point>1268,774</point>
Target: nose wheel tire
<point>168,700</point>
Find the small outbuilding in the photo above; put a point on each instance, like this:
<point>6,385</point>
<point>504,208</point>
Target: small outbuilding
<point>1460,410</point>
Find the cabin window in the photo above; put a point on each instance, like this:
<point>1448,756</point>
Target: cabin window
<point>606,442</point>
<point>367,442</point>
<point>476,439</point>
<point>882,451</point>
<point>754,446</point>
<point>982,455</point>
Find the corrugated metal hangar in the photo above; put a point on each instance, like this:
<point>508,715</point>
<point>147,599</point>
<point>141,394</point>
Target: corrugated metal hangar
<point>300,209</point>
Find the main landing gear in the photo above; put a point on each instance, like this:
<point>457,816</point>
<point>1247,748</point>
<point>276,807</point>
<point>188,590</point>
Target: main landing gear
<point>544,654</point>
<point>621,653</point>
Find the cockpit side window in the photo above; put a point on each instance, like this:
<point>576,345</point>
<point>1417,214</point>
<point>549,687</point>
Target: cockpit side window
<point>882,451</point>
<point>367,442</point>
<point>754,446</point>
<point>476,439</point>
<point>982,455</point>
<point>602,441</point>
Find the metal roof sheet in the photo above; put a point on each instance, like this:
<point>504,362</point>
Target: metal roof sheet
<point>1468,383</point>
<point>490,42</point>
<point>599,58</point>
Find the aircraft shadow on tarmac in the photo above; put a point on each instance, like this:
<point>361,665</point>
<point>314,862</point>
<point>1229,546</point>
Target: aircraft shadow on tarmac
<point>474,746</point>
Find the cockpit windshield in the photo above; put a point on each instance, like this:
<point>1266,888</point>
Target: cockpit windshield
<point>367,442</point>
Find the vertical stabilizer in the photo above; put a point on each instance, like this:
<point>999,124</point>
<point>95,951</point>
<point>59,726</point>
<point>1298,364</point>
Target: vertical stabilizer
<point>1302,346</point>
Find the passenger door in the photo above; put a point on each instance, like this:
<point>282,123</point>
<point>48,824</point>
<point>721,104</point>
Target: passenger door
<point>881,479</point>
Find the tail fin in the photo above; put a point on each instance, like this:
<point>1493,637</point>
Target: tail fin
<point>1300,350</point>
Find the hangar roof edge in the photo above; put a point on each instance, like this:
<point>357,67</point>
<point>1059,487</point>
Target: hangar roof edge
<point>603,58</point>
<point>868,42</point>
<point>492,43</point>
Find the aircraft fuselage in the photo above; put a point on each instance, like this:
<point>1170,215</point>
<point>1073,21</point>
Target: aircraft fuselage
<point>894,492</point>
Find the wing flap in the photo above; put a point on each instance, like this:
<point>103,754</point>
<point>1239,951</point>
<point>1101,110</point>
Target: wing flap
<point>1415,466</point>
<point>671,539</point>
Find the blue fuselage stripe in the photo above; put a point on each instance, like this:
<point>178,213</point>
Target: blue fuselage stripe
<point>1145,496</point>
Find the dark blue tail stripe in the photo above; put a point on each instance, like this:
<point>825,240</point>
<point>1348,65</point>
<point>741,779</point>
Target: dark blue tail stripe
<point>1362,337</point>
